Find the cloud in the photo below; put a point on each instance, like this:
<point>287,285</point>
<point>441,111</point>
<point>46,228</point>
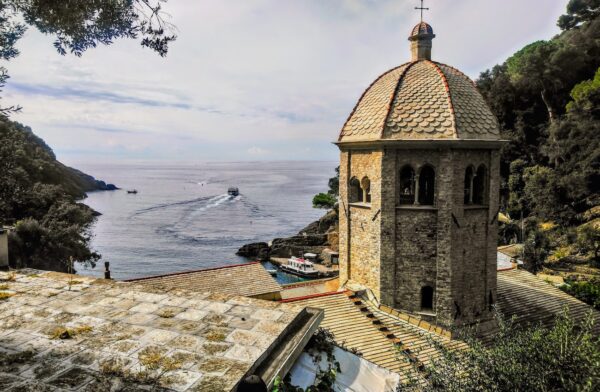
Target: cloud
<point>71,93</point>
<point>280,76</point>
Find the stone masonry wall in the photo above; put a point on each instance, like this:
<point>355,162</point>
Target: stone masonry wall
<point>416,256</point>
<point>359,228</point>
<point>473,254</point>
<point>395,250</point>
<point>414,244</point>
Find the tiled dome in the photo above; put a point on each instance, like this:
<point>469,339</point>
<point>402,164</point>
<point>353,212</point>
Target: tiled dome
<point>421,100</point>
<point>422,28</point>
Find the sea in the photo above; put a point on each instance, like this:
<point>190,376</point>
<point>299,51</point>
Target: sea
<point>182,218</point>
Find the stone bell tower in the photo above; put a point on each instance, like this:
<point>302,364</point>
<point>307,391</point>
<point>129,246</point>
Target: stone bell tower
<point>419,178</point>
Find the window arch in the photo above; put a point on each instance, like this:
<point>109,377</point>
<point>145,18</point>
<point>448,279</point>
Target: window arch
<point>469,176</point>
<point>479,185</point>
<point>407,185</point>
<point>426,186</point>
<point>356,193</point>
<point>366,188</point>
<point>427,298</point>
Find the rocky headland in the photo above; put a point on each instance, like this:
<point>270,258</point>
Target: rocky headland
<point>319,237</point>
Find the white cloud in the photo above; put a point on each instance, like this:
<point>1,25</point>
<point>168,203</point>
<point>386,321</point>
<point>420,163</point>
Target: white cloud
<point>280,75</point>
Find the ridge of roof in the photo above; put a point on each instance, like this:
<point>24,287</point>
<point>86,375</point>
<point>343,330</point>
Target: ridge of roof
<point>407,66</point>
<point>449,92</point>
<point>190,272</point>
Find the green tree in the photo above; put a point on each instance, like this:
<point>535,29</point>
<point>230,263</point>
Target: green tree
<point>564,357</point>
<point>39,194</point>
<point>578,12</point>
<point>78,25</point>
<point>328,200</point>
<point>536,246</point>
<point>334,183</point>
<point>588,240</point>
<point>324,200</point>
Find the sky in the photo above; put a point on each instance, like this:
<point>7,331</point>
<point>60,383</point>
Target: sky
<point>249,80</point>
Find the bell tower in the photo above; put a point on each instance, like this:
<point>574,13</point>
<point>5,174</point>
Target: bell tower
<point>419,183</point>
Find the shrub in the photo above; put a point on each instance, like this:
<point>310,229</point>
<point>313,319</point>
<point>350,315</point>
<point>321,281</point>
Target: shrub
<point>324,200</point>
<point>565,357</point>
<point>588,292</point>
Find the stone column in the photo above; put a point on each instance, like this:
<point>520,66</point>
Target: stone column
<point>473,175</point>
<point>416,202</point>
<point>344,218</point>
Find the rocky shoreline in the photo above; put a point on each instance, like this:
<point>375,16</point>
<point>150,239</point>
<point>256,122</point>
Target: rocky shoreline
<point>319,237</point>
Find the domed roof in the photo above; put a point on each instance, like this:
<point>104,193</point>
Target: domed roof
<point>421,29</point>
<point>421,100</point>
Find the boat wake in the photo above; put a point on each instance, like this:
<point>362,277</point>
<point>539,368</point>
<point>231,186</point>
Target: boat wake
<point>209,201</point>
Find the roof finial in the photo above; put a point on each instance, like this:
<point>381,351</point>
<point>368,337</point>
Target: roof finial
<point>422,9</point>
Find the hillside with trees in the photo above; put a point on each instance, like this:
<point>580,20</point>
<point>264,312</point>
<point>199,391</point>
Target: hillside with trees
<point>39,196</point>
<point>547,99</point>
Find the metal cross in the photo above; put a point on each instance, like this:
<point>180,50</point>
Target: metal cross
<point>422,9</point>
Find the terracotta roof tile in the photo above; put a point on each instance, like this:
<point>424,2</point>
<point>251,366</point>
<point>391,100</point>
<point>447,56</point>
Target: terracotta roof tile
<point>421,100</point>
<point>422,28</point>
<point>246,280</point>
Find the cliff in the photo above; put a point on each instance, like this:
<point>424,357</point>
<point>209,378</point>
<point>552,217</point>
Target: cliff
<point>40,197</point>
<point>31,160</point>
<point>314,238</point>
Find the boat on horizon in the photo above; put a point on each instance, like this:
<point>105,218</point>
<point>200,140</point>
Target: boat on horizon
<point>233,191</point>
<point>301,267</point>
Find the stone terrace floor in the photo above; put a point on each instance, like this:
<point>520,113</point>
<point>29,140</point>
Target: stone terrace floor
<point>64,333</point>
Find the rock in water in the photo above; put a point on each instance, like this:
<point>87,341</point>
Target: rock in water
<point>259,250</point>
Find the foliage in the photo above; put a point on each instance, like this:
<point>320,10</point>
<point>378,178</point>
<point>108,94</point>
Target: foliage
<point>78,25</point>
<point>39,194</point>
<point>334,183</point>
<point>321,343</point>
<point>588,292</point>
<point>565,357</point>
<point>588,240</point>
<point>578,12</point>
<point>547,99</point>
<point>324,200</point>
<point>535,247</point>
<point>328,200</point>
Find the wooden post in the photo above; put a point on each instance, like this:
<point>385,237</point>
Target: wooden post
<point>106,270</point>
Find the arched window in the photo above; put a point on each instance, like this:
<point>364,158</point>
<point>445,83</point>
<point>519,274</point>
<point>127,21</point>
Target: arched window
<point>366,187</point>
<point>356,193</point>
<point>427,186</point>
<point>407,185</point>
<point>479,185</point>
<point>469,185</point>
<point>427,298</point>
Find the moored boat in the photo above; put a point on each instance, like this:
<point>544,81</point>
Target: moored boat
<point>301,267</point>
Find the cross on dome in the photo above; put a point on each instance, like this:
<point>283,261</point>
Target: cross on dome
<point>421,8</point>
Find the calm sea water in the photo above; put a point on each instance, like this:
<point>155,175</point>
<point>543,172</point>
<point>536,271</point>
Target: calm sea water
<point>183,219</point>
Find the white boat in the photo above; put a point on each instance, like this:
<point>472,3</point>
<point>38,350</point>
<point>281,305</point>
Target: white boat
<point>272,271</point>
<point>301,267</point>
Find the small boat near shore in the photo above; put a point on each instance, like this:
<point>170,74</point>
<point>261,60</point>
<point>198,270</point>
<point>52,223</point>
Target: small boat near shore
<point>301,267</point>
<point>233,191</point>
<point>273,272</point>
